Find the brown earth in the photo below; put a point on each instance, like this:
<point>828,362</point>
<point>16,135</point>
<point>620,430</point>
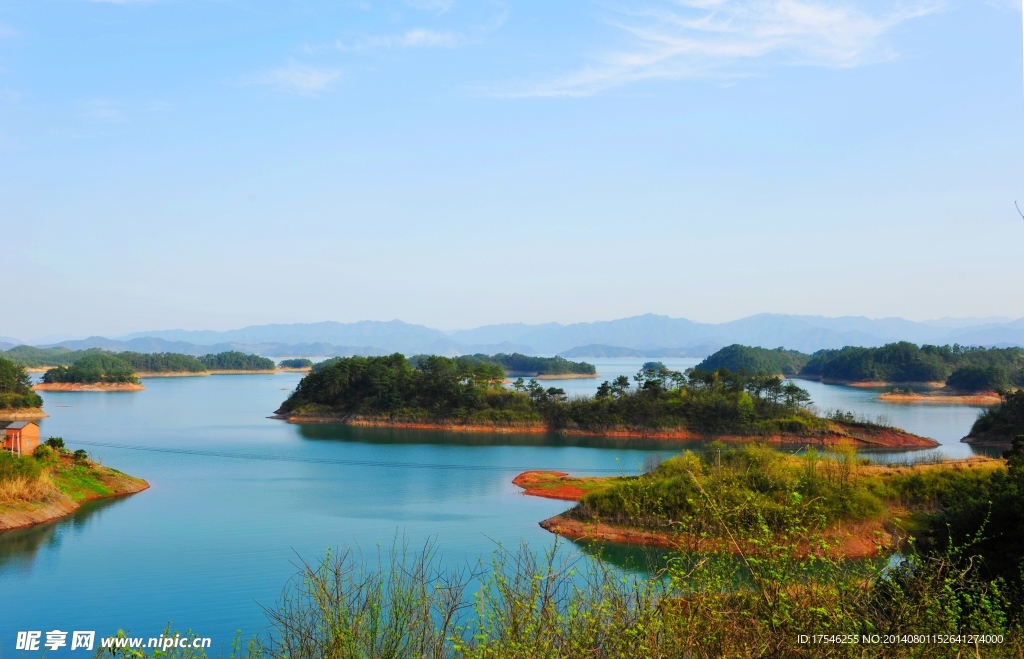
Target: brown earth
<point>532,482</point>
<point>980,399</point>
<point>22,413</point>
<point>78,386</point>
<point>860,436</point>
<point>57,504</point>
<point>852,540</point>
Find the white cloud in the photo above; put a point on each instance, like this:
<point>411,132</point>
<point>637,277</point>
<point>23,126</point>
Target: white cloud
<point>415,38</point>
<point>439,6</point>
<point>295,78</point>
<point>724,38</point>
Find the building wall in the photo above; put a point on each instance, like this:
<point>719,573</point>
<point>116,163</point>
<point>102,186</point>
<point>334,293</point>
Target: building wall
<point>29,439</point>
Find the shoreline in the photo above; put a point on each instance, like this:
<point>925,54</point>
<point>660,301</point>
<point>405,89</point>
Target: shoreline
<point>58,505</point>
<point>105,387</point>
<point>854,539</point>
<point>982,399</point>
<point>22,414</point>
<point>555,376</point>
<point>862,437</point>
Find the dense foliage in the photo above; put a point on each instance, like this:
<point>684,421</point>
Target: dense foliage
<point>460,390</point>
<point>438,388</point>
<point>970,369</point>
<point>32,357</point>
<point>1003,422</point>
<point>163,362</point>
<point>94,368</point>
<point>15,387</point>
<point>756,360</point>
<point>516,364</point>
<point>236,361</point>
<point>295,363</point>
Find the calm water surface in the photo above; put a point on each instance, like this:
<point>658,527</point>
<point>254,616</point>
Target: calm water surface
<point>216,537</point>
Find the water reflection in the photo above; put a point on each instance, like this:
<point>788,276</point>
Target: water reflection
<point>19,547</point>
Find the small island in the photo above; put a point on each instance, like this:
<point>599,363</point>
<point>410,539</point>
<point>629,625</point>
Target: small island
<point>945,375</point>
<point>856,509</point>
<point>17,400</point>
<point>519,365</point>
<point>457,394</point>
<point>295,365</point>
<point>53,482</point>
<point>96,372</point>
<point>143,365</point>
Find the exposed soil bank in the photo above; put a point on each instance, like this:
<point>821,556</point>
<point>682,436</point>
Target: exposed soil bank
<point>980,399</point>
<point>58,504</point>
<point>853,540</point>
<point>861,437</point>
<point>192,374</point>
<point>563,376</point>
<point>305,369</point>
<point>22,413</point>
<point>78,386</point>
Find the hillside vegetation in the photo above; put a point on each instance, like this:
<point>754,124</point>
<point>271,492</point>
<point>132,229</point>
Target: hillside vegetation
<point>1002,423</point>
<point>756,360</point>
<point>164,362</point>
<point>969,369</point>
<point>445,390</point>
<point>16,388</point>
<point>516,364</point>
<point>93,369</point>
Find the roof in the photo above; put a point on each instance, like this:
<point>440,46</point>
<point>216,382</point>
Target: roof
<point>15,425</point>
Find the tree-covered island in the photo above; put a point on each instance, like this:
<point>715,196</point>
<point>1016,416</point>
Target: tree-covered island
<point>95,372</point>
<point>142,364</point>
<point>17,400</point>
<point>455,393</point>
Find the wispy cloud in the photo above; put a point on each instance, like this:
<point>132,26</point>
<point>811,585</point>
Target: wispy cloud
<point>6,31</point>
<point>415,38</point>
<point>104,110</point>
<point>298,79</point>
<point>438,6</point>
<point>725,38</point>
<point>122,2</point>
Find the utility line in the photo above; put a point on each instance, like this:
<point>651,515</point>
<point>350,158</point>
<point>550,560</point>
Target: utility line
<point>330,461</point>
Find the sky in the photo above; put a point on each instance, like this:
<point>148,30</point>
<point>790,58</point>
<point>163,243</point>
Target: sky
<point>211,164</point>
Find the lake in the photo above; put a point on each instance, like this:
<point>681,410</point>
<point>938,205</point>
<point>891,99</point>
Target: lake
<point>236,498</point>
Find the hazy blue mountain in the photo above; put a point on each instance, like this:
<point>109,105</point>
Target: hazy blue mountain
<point>7,345</point>
<point>597,350</point>
<point>650,334</point>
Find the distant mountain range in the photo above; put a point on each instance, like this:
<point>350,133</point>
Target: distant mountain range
<point>649,335</point>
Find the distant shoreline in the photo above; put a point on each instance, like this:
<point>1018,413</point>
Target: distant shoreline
<point>981,399</point>
<point>862,437</point>
<point>105,387</point>
<point>22,413</point>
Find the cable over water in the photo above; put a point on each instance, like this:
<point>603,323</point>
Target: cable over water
<point>329,461</point>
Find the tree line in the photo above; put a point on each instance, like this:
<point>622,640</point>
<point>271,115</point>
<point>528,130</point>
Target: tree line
<point>16,387</point>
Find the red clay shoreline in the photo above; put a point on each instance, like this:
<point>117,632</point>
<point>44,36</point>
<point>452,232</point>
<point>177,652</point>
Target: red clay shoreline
<point>862,437</point>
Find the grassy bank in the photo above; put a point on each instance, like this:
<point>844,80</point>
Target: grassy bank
<point>55,482</point>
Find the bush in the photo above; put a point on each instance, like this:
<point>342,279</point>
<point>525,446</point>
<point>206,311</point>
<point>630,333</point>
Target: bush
<point>81,455</point>
<point>56,443</point>
<point>44,453</point>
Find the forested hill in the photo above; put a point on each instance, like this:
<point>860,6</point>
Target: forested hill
<point>756,360</point>
<point>445,391</point>
<point>16,388</point>
<point>1001,424</point>
<point>967,369</point>
<point>96,368</point>
<point>516,364</point>
<point>164,362</point>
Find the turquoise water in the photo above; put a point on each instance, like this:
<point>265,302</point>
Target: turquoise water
<point>237,498</point>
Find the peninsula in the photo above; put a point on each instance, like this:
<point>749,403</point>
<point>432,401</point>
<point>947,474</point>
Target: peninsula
<point>998,426</point>
<point>456,394</point>
<point>705,502</point>
<point>17,400</point>
<point>54,482</point>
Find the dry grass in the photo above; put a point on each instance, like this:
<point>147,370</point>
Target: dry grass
<point>19,489</point>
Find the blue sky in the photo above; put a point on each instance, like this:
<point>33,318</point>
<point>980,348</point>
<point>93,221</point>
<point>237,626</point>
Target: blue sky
<point>219,163</point>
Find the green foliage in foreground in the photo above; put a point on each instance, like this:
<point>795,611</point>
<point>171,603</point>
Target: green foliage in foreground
<point>457,390</point>
<point>969,369</point>
<point>1002,422</point>
<point>15,387</point>
<point>95,368</point>
<point>756,360</point>
<point>18,467</point>
<point>524,604</point>
<point>234,360</point>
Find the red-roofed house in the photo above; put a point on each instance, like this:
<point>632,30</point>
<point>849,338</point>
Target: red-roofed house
<point>19,437</point>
